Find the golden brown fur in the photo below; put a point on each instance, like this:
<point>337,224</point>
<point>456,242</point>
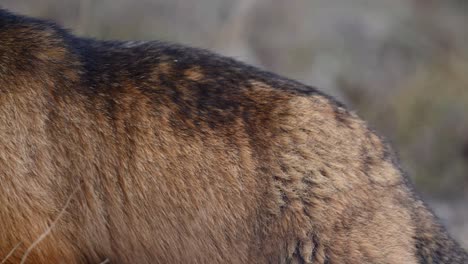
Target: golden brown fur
<point>175,155</point>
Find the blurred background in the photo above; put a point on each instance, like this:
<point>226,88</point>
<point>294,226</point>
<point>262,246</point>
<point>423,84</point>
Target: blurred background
<point>402,65</point>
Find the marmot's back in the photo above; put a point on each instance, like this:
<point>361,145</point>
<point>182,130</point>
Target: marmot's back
<point>158,153</point>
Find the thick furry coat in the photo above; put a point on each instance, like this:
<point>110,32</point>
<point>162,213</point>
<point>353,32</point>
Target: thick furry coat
<point>159,153</point>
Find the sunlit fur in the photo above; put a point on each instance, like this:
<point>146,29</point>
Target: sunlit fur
<point>158,153</point>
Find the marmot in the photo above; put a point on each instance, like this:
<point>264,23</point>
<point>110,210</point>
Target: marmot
<point>159,153</point>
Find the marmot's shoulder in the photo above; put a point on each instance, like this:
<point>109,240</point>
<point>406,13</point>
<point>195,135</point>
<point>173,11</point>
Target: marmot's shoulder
<point>42,47</point>
<point>186,63</point>
<point>196,80</point>
<point>168,68</point>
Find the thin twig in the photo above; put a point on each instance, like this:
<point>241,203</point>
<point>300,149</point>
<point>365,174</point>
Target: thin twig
<point>10,253</point>
<point>105,261</point>
<point>49,229</point>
